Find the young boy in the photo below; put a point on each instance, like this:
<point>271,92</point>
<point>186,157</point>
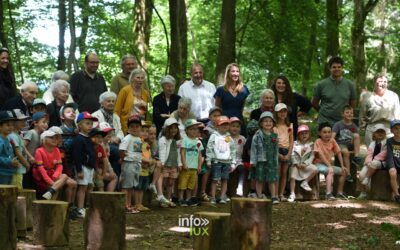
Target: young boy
<point>8,162</point>
<point>325,147</point>
<point>39,105</point>
<point>221,158</point>
<point>393,158</point>
<point>68,127</point>
<point>131,156</point>
<point>84,157</point>
<point>345,132</point>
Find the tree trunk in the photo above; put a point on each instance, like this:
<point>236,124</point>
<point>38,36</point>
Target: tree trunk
<point>81,40</point>
<point>3,36</point>
<point>30,196</point>
<point>62,23</point>
<point>178,51</point>
<point>218,234</point>
<point>21,217</point>
<point>251,223</point>
<point>72,62</point>
<point>50,223</point>
<point>8,231</point>
<point>332,31</point>
<point>192,35</point>
<point>16,47</point>
<point>104,225</point>
<point>380,186</point>
<point>382,55</point>
<point>227,39</point>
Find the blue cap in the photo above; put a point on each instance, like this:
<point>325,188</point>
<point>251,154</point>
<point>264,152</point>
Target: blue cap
<point>394,123</point>
<point>38,115</point>
<point>6,116</point>
<point>85,115</point>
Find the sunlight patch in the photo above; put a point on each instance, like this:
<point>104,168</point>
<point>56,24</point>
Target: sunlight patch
<point>179,229</point>
<point>388,219</point>
<point>339,225</point>
<point>361,215</point>
<point>29,246</point>
<point>130,228</point>
<point>341,204</point>
<point>381,205</point>
<point>132,236</point>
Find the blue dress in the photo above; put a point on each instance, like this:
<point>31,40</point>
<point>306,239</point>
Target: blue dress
<point>232,105</point>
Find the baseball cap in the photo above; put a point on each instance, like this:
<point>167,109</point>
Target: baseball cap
<point>19,115</point>
<point>222,120</point>
<point>6,116</point>
<point>56,130</point>
<point>134,119</point>
<point>170,121</point>
<point>394,123</point>
<point>234,119</point>
<point>191,122</point>
<point>377,127</point>
<point>266,114</point>
<point>85,115</point>
<point>280,106</point>
<point>68,105</point>
<point>39,115</point>
<point>303,128</point>
<point>38,101</point>
<point>47,133</point>
<point>97,131</point>
<point>212,110</point>
<point>105,127</point>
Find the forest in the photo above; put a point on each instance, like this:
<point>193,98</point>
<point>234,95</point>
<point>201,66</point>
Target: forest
<point>266,37</point>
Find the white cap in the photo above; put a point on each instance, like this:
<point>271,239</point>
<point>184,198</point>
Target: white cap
<point>56,130</point>
<point>170,121</point>
<point>47,133</point>
<point>280,106</point>
<point>378,126</point>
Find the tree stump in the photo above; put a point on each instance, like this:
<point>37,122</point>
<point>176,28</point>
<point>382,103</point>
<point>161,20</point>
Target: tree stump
<point>302,194</point>
<point>104,224</point>
<point>380,186</point>
<point>50,223</point>
<point>8,231</point>
<point>30,196</point>
<point>251,223</point>
<point>215,235</point>
<point>21,217</point>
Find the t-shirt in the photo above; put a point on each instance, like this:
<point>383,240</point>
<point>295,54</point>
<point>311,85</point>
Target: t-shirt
<point>283,134</point>
<point>49,161</point>
<point>239,142</point>
<point>193,148</point>
<point>6,156</point>
<point>393,153</point>
<point>344,132</point>
<point>18,142</point>
<point>327,149</point>
<point>232,105</point>
<point>133,147</point>
<point>100,156</point>
<point>34,141</point>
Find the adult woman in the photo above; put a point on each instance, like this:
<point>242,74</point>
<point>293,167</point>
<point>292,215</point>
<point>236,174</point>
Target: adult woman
<point>267,103</point>
<point>183,113</point>
<point>60,91</point>
<point>297,104</point>
<point>132,99</point>
<point>7,82</point>
<point>166,102</point>
<point>380,106</point>
<point>231,97</point>
<point>48,94</point>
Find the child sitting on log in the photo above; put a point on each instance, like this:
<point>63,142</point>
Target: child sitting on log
<point>376,158</point>
<point>393,158</point>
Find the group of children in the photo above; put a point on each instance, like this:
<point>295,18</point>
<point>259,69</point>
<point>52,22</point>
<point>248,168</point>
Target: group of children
<point>74,157</point>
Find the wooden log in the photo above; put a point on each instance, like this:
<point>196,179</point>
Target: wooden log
<point>302,194</point>
<point>251,223</point>
<point>8,231</point>
<point>50,223</point>
<point>213,236</point>
<point>380,186</point>
<point>104,224</point>
<point>30,196</point>
<point>21,217</point>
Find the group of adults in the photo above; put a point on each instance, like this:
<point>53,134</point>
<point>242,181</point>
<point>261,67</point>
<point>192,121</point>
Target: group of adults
<point>130,95</point>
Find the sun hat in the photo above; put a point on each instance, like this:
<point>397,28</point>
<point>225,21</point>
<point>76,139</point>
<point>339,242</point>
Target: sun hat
<point>266,114</point>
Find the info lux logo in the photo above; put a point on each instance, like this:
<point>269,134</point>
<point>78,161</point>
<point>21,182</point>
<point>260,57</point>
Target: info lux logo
<point>197,225</point>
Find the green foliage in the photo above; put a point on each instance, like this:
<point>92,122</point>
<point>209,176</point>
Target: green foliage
<point>392,229</point>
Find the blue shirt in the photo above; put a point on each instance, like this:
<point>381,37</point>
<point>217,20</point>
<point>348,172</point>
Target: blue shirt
<point>232,105</point>
<point>6,156</point>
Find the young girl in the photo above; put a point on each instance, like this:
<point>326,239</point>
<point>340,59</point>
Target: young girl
<point>376,158</point>
<point>302,158</point>
<point>237,175</point>
<point>252,128</point>
<point>170,159</point>
<point>285,134</point>
<point>264,156</point>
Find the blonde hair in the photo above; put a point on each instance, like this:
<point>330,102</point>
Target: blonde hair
<point>228,81</point>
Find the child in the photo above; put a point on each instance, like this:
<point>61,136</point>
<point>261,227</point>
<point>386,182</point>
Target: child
<point>84,157</point>
<point>67,115</point>
<point>109,175</point>
<point>221,158</point>
<point>302,158</point>
<point>393,157</point>
<point>285,135</point>
<point>345,132</point>
<point>131,156</point>
<point>8,161</point>
<point>39,105</point>
<point>213,116</point>
<point>19,147</point>
<point>47,172</point>
<point>170,159</point>
<point>157,171</point>
<point>191,161</point>
<point>237,174</point>
<point>264,156</point>
<point>325,147</point>
<point>252,127</point>
<point>376,157</point>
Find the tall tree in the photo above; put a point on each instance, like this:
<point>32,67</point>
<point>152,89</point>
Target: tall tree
<point>15,40</point>
<point>361,11</point>
<point>227,39</point>
<point>3,36</point>
<point>72,62</point>
<point>81,40</point>
<point>142,28</point>
<point>178,51</point>
<point>62,24</point>
<point>332,31</point>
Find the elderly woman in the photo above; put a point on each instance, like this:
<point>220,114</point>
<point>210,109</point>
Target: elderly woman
<point>380,106</point>
<point>183,113</point>
<point>7,82</point>
<point>166,102</point>
<point>267,103</point>
<point>297,104</point>
<point>132,99</point>
<point>48,96</point>
<point>60,91</point>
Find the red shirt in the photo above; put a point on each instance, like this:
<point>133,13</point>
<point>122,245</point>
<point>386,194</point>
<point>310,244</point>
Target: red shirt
<point>49,164</point>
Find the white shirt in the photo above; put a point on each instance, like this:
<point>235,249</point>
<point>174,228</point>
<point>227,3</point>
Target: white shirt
<point>133,147</point>
<point>202,97</point>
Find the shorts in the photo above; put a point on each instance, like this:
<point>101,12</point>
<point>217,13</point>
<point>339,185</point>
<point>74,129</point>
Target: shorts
<point>17,180</point>
<point>41,185</point>
<point>87,176</point>
<point>144,182</point>
<point>284,152</point>
<point>220,171</point>
<point>349,146</point>
<point>187,179</point>
<point>375,164</point>
<point>170,172</point>
<point>323,169</point>
<point>5,179</point>
<point>130,171</point>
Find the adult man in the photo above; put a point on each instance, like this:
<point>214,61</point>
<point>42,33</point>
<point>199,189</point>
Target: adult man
<point>87,85</point>
<point>120,80</point>
<point>201,93</point>
<point>24,100</point>
<point>333,93</point>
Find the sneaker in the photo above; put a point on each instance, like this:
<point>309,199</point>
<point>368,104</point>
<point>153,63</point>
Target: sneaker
<point>275,200</point>
<point>163,202</point>
<point>304,185</point>
<point>152,188</point>
<point>362,196</point>
<point>357,161</point>
<point>349,178</point>
<point>182,203</point>
<point>341,196</point>
<point>204,197</point>
<point>193,202</point>
<point>292,197</point>
<point>73,213</point>
<point>81,212</point>
<point>47,195</point>
<point>171,204</point>
<point>224,200</point>
<point>213,200</point>
<point>282,198</point>
<point>142,208</point>
<point>330,197</point>
<point>252,195</point>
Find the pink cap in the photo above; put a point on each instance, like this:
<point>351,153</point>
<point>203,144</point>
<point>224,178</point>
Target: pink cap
<point>234,119</point>
<point>303,128</point>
